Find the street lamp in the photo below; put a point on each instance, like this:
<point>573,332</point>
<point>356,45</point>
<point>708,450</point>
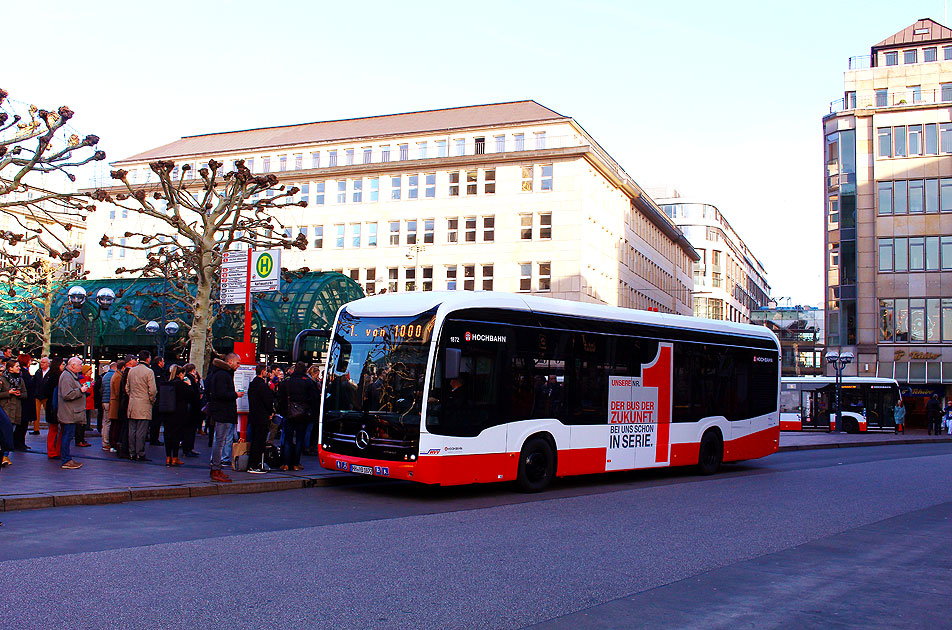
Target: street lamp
<point>839,361</point>
<point>161,335</point>
<point>78,297</point>
<point>413,253</point>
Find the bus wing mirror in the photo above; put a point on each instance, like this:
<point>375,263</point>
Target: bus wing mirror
<point>451,365</point>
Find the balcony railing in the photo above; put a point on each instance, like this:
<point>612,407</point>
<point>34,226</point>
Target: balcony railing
<point>860,62</point>
<point>897,98</point>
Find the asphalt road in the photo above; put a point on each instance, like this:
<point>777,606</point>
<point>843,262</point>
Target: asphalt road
<point>834,538</point>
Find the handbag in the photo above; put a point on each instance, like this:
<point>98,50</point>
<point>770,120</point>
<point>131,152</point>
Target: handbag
<point>239,456</point>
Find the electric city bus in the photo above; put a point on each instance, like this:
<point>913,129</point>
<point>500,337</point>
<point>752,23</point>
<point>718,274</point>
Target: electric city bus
<point>808,403</point>
<point>463,387</point>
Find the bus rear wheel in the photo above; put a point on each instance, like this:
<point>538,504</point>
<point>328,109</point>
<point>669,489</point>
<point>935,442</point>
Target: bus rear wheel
<point>711,453</point>
<point>536,465</point>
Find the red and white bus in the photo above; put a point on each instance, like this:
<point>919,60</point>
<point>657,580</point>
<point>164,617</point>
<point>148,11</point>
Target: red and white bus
<point>808,403</point>
<point>456,388</point>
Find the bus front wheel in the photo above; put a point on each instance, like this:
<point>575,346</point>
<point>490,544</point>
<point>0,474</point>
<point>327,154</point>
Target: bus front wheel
<point>536,465</point>
<point>711,453</point>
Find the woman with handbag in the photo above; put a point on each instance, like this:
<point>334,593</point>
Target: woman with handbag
<point>297,397</point>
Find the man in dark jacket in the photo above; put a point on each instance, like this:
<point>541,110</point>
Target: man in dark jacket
<point>260,412</point>
<point>222,407</point>
<point>299,404</point>
<point>933,414</point>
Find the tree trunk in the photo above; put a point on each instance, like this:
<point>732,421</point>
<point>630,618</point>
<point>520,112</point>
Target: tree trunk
<point>47,324</point>
<point>201,318</point>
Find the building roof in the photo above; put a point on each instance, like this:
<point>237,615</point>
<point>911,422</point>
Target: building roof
<point>435,120</point>
<point>923,30</point>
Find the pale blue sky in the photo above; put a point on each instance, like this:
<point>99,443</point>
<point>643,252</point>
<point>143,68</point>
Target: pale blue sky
<point>721,100</point>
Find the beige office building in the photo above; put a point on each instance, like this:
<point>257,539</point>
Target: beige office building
<point>505,197</point>
<point>888,226</point>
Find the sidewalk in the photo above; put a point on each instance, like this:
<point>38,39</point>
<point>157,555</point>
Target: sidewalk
<point>35,481</point>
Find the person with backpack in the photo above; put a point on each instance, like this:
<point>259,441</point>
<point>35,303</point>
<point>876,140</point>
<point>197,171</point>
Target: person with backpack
<point>298,401</point>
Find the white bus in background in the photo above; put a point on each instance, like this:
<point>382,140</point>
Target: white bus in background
<point>462,387</point>
<point>808,403</point>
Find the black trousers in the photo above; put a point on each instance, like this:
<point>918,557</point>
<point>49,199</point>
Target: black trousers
<point>188,435</point>
<point>155,425</point>
<point>122,445</point>
<point>19,435</point>
<point>173,438</point>
<point>259,437</point>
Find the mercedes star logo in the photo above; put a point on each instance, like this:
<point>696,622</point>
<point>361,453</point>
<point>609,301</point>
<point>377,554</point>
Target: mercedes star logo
<point>362,440</point>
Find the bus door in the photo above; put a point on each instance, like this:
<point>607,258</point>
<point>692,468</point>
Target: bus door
<point>880,407</point>
<point>816,407</point>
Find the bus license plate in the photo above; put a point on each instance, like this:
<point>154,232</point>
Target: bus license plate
<point>363,470</point>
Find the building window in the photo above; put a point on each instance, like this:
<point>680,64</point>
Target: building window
<point>394,232</point>
<point>413,187</point>
<point>546,182</point>
<point>932,253</point>
<point>385,153</point>
<point>451,277</point>
<point>882,97</point>
<point>315,159</point>
<point>460,146</point>
<point>525,276</point>
<point>452,230</point>
<point>946,92</point>
<point>932,139</point>
<point>946,254</point>
<point>430,179</point>
<point>487,277</point>
<point>404,151</point>
<point>342,191</point>
<point>545,225</point>
<point>396,183</point>
<point>368,154</point>
<point>917,250</point>
<point>411,232</point>
<point>489,179</point>
<point>358,190</point>
<point>525,227</point>
<point>901,253</point>
<point>112,212</point>
<point>393,279</point>
<point>489,229</point>
<point>427,278</point>
<point>372,234</point>
<point>539,140</point>
<point>915,139</point>
<point>932,196</point>
<point>319,193</point>
<point>915,196</point>
<point>884,134</point>
<point>266,165</point>
<point>370,282</point>
<point>122,247</point>
<point>318,237</point>
<point>429,229</point>
<point>298,161</point>
<point>305,192</point>
<point>355,234</point>
<point>520,141</point>
<point>900,197</point>
<point>421,150</point>
<point>471,185</point>
<point>374,188</point>
<point>899,147</point>
<point>945,195</point>
<point>527,178</point>
<point>441,148</point>
<point>454,183</point>
<point>909,56</point>
<point>349,157</point>
<point>469,277</point>
<point>915,93</point>
<point>480,146</point>
<point>339,236</point>
<point>332,158</point>
<point>929,54</point>
<point>109,252</point>
<point>892,59</point>
<point>885,198</point>
<point>885,254</point>
<point>500,144</point>
<point>470,234</point>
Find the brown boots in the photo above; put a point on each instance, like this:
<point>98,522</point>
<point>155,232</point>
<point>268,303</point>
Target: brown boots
<point>220,477</point>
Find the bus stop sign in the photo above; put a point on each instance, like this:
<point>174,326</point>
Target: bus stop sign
<point>266,270</point>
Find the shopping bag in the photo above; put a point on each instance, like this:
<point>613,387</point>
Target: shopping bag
<point>239,456</point>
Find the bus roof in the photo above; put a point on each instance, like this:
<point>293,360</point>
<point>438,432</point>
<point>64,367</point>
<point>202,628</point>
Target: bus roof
<point>849,380</point>
<point>413,303</point>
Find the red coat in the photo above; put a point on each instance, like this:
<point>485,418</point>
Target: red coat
<point>90,402</point>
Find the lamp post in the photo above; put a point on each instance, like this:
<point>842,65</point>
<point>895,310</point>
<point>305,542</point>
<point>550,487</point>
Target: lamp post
<point>413,253</point>
<point>839,361</point>
<point>161,335</point>
<point>78,298</point>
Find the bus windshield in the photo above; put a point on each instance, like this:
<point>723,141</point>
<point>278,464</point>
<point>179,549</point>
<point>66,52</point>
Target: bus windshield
<point>375,374</point>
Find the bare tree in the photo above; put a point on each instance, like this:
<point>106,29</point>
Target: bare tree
<point>35,147</point>
<point>195,221</point>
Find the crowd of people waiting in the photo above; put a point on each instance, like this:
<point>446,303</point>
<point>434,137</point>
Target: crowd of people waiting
<point>137,401</point>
